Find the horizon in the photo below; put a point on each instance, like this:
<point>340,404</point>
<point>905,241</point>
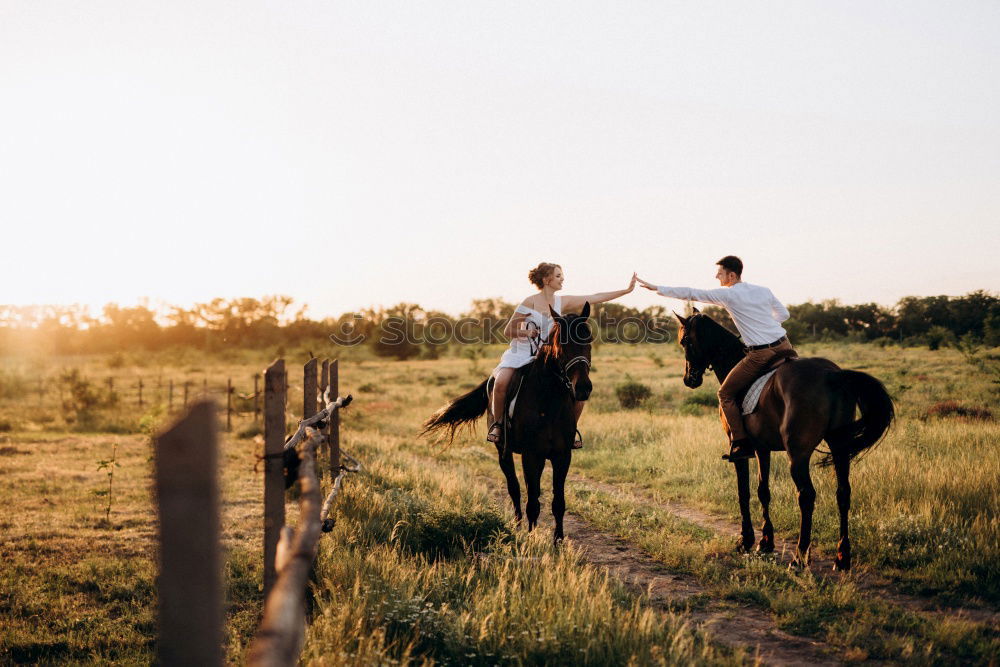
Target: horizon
<point>160,309</point>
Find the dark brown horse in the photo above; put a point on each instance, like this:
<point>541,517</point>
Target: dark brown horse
<point>804,402</point>
<point>544,422</point>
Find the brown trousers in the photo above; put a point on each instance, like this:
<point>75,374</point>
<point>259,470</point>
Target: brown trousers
<point>738,380</point>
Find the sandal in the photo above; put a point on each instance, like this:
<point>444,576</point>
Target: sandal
<point>578,442</point>
<point>494,433</point>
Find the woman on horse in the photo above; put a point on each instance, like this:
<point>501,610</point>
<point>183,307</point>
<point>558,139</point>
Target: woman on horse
<point>529,327</point>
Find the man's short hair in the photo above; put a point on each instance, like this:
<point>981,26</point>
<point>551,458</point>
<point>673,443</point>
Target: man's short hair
<point>732,263</point>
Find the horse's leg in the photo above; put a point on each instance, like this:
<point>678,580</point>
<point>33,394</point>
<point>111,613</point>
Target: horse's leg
<point>842,465</point>
<point>532,466</point>
<point>807,500</point>
<point>766,545</point>
<point>513,488</point>
<point>560,467</point>
<point>747,537</point>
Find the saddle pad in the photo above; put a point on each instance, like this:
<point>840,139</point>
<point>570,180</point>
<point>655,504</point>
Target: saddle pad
<point>753,393</point>
<point>513,399</point>
<point>512,393</point>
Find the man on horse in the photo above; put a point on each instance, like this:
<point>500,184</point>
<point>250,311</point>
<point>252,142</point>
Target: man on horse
<point>758,316</point>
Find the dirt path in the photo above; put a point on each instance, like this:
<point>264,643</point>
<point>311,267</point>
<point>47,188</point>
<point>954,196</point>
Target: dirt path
<point>727,623</point>
<point>864,579</point>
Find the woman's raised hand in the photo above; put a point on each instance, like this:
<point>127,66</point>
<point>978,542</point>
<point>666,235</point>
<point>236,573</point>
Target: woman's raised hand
<point>631,284</point>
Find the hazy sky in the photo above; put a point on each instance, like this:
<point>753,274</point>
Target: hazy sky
<point>358,153</point>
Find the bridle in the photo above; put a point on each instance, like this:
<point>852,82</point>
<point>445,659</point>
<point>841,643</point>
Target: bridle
<point>699,372</point>
<point>563,372</point>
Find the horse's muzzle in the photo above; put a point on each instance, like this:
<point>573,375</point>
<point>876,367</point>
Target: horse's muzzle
<point>692,381</point>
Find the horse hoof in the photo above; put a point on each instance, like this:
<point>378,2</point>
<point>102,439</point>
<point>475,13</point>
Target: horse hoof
<point>743,546</point>
<point>765,547</point>
<point>841,564</point>
<point>798,564</point>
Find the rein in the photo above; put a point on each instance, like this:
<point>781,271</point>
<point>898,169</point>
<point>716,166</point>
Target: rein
<point>536,345</point>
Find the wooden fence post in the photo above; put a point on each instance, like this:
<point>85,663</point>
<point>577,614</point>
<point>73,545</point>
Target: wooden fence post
<point>334,434</point>
<point>309,388</point>
<point>190,582</point>
<point>324,385</point>
<point>256,398</point>
<point>274,478</point>
<point>140,392</point>
<point>324,380</point>
<point>229,405</point>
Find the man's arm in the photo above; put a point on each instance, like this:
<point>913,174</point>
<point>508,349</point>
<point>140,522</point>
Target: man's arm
<point>778,309</point>
<point>714,296</point>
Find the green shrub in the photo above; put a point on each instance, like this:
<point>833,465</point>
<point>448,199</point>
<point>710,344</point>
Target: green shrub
<point>705,397</point>
<point>83,401</point>
<point>631,394</point>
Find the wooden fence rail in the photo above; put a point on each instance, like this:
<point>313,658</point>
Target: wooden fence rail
<point>279,637</point>
<point>191,617</point>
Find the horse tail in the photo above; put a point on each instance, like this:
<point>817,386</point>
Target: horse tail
<point>462,411</point>
<point>877,415</point>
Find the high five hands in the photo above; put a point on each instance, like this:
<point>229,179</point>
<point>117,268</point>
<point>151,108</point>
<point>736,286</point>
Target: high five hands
<point>647,285</point>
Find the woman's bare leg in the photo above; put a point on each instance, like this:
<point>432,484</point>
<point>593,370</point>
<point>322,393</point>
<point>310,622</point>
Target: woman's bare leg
<point>500,394</point>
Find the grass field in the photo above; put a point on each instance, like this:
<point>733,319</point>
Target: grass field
<point>425,564</point>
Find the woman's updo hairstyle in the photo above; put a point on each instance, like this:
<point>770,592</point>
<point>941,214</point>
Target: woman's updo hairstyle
<point>538,274</point>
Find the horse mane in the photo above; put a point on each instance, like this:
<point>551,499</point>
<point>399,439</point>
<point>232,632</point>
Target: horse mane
<point>552,349</point>
<point>717,332</point>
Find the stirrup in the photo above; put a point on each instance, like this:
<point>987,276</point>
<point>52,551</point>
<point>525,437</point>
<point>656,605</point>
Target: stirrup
<point>740,450</point>
<point>578,442</point>
<point>494,436</point>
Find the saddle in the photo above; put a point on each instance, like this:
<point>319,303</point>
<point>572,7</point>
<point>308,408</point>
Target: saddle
<point>752,395</point>
<point>516,382</point>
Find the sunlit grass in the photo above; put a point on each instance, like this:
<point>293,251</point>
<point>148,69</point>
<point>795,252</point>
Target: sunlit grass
<point>925,513</point>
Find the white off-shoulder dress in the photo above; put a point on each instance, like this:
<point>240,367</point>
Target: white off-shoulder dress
<point>521,350</point>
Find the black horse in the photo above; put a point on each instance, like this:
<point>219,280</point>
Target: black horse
<point>544,421</point>
<point>805,401</point>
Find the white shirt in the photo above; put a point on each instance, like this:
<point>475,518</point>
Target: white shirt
<point>754,309</point>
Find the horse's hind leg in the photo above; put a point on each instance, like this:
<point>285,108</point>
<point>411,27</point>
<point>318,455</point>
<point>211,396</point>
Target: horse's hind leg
<point>766,545</point>
<point>842,465</point>
<point>807,501</point>
<point>747,537</point>
<point>560,467</point>
<point>532,467</point>
<point>513,488</point>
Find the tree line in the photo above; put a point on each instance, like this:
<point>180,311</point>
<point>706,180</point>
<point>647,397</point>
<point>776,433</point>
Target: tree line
<point>407,330</point>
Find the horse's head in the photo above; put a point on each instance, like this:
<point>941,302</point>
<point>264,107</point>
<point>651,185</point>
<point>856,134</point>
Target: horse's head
<point>695,359</point>
<point>569,349</point>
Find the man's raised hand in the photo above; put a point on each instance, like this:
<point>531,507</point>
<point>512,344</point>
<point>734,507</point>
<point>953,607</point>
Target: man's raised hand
<point>647,285</point>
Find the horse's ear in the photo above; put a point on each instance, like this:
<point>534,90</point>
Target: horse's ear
<point>552,310</point>
<point>586,310</point>
<point>695,310</point>
<point>682,320</point>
